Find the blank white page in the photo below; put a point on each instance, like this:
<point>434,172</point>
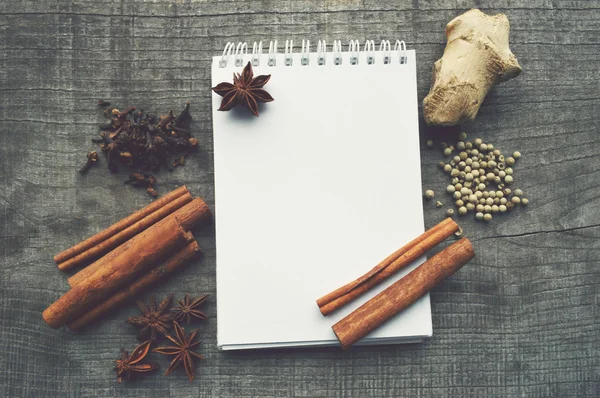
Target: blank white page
<point>312,194</point>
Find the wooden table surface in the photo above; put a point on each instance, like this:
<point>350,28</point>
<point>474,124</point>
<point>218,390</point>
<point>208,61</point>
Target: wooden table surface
<point>522,319</point>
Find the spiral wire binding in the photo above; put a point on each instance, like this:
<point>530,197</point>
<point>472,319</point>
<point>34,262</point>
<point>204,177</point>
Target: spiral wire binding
<point>401,47</point>
<point>238,60</point>
<point>386,48</point>
<point>272,54</point>
<point>354,49</point>
<point>321,50</point>
<point>288,53</point>
<point>370,51</point>
<point>337,52</point>
<point>256,52</point>
<point>304,60</point>
<point>240,51</point>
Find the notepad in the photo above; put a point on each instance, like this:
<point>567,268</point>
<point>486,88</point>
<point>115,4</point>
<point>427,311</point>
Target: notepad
<point>314,192</point>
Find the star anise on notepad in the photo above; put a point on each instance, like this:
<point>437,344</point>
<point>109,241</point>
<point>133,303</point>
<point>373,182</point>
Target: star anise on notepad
<point>183,351</point>
<point>188,308</point>
<point>130,364</point>
<point>154,320</point>
<point>246,90</point>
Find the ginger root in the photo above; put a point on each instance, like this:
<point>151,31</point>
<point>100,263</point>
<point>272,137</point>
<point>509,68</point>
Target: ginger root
<point>476,58</point>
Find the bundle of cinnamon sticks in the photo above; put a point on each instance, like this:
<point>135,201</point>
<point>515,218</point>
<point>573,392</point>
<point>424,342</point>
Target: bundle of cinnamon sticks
<point>127,258</point>
<point>402,293</point>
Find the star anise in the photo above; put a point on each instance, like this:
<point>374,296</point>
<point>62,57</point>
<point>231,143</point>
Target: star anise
<point>246,90</point>
<point>129,364</point>
<point>154,321</point>
<point>183,351</point>
<point>188,308</point>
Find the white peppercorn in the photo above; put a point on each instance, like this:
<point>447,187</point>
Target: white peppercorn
<point>487,217</point>
<point>503,201</point>
<point>469,161</point>
<point>470,206</point>
<point>481,186</point>
<point>458,186</point>
<point>475,165</point>
<point>450,189</point>
<point>508,171</point>
<point>460,145</point>
<point>478,194</point>
<point>487,208</point>
<point>497,152</point>
<point>501,174</point>
<point>468,145</point>
<point>450,212</point>
<point>515,199</point>
<point>483,147</point>
<point>516,154</point>
<point>490,176</point>
<point>457,195</point>
<point>429,194</point>
<point>518,192</point>
<point>462,210</point>
<point>525,201</point>
<point>483,164</point>
<point>477,141</point>
<point>429,143</point>
<point>479,208</point>
<point>502,208</point>
<point>456,159</point>
<point>479,216</point>
<point>489,201</point>
<point>508,179</point>
<point>495,209</point>
<point>462,165</point>
<point>447,151</point>
<point>459,203</point>
<point>462,136</point>
<point>510,161</point>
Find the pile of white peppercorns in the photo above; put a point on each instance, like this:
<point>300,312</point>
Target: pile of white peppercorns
<point>474,168</point>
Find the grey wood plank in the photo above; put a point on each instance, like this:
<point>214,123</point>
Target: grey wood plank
<point>520,320</point>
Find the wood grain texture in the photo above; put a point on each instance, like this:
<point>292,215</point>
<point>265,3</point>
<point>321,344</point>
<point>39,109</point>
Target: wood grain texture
<point>520,320</point>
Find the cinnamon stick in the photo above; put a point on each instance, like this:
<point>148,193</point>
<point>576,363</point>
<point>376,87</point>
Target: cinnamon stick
<point>172,264</point>
<point>188,215</point>
<point>118,238</point>
<point>119,226</point>
<point>403,293</point>
<point>389,266</point>
<point>144,250</point>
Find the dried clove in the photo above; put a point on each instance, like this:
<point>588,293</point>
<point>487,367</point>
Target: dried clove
<point>144,142</point>
<point>92,158</point>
